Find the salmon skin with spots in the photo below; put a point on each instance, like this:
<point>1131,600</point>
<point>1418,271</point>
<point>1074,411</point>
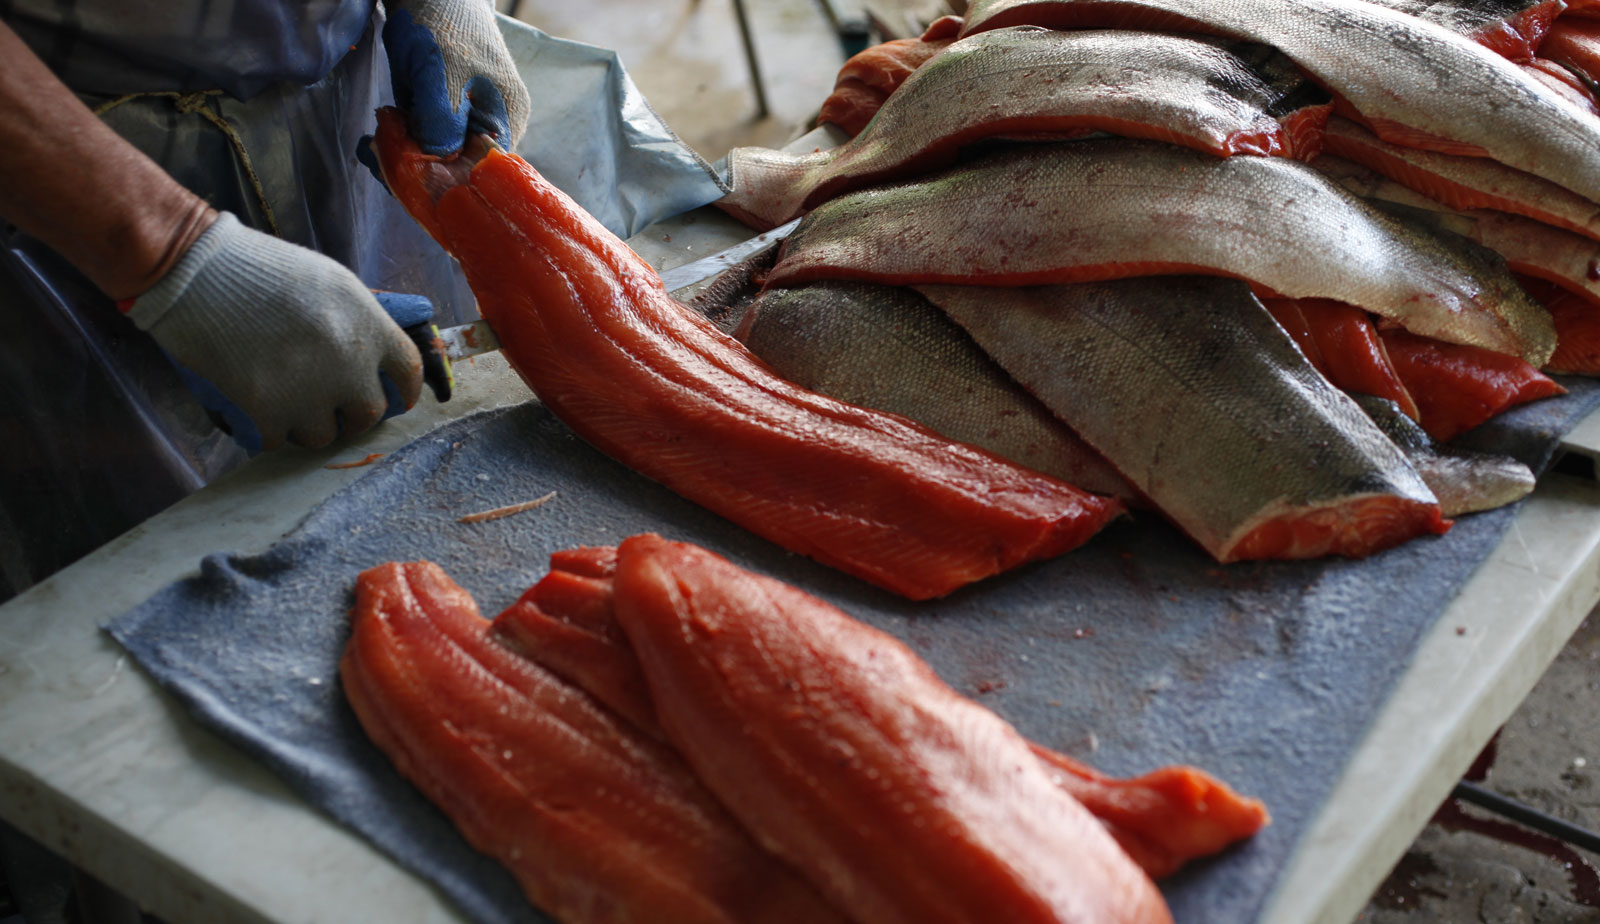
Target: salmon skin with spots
<point>1529,248</point>
<point>1221,98</point>
<point>1163,819</point>
<point>1462,182</point>
<point>591,329</point>
<point>1512,28</point>
<point>1413,82</point>
<point>1115,208</point>
<point>887,347</point>
<point>1191,389</point>
<point>598,823</point>
<point>901,800</point>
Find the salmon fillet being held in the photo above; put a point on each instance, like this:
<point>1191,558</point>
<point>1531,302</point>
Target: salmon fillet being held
<point>645,379</point>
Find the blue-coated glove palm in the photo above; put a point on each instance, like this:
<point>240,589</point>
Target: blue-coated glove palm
<point>453,74</point>
<point>287,335</point>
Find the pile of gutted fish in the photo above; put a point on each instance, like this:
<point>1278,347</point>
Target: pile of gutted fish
<point>1249,263</point>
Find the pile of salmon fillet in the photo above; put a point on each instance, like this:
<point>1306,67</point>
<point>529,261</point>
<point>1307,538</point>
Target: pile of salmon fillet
<point>1245,262</point>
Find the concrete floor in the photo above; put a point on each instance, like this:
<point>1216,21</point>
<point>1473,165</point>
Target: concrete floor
<point>686,57</point>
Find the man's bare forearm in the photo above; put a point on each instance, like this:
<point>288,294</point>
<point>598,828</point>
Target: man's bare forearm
<point>75,184</point>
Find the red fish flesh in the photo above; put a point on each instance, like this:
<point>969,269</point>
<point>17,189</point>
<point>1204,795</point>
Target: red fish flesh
<point>599,824</point>
<point>845,755</point>
<point>1343,345</point>
<point>1412,81</point>
<point>870,76</point>
<point>1458,387</point>
<point>1575,43</point>
<point>1223,99</point>
<point>590,328</point>
<point>1577,328</point>
<point>1163,819</point>
<point>1114,208</point>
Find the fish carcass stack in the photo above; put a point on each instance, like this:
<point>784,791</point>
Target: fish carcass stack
<point>1452,98</point>
<point>590,328</point>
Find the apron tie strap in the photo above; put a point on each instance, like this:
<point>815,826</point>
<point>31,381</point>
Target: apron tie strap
<point>197,103</point>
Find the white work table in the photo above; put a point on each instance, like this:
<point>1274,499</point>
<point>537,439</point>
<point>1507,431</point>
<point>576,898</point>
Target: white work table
<point>99,765</point>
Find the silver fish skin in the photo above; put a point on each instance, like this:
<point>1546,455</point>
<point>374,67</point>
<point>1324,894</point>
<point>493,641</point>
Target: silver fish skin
<point>886,347</point>
<point>1416,82</point>
<point>1189,387</point>
<point>1114,208</point>
<point>1464,482</point>
<point>1464,182</point>
<point>1532,248</point>
<point>1495,23</point>
<point>1180,89</point>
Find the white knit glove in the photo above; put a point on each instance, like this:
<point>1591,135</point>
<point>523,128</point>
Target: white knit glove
<point>453,74</point>
<point>287,334</point>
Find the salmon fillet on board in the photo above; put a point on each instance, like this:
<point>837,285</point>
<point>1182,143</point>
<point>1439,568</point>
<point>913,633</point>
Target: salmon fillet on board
<point>1221,98</point>
<point>589,326</point>
<point>1462,480</point>
<point>1191,389</point>
<point>1163,819</point>
<point>842,751</point>
<point>598,823</point>
<point>1114,208</point>
<point>1414,82</point>
<point>1459,387</point>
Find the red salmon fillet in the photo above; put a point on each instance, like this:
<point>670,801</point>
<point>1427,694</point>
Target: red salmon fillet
<point>867,79</point>
<point>1457,387</point>
<point>1577,320</point>
<point>844,754</point>
<point>1564,82</point>
<point>599,824</point>
<point>1346,345</point>
<point>1574,43</point>
<point>590,328</point>
<point>1163,819</point>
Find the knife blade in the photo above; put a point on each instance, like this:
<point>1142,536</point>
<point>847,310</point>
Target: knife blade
<point>468,340</point>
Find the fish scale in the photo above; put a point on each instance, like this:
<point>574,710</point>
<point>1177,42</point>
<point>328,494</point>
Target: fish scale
<point>1415,81</point>
<point>1194,392</point>
<point>886,347</point>
<point>1528,247</point>
<point>1225,100</point>
<point>1512,28</point>
<point>1114,208</point>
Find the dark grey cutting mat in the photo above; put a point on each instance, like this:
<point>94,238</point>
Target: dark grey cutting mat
<point>1132,652</point>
